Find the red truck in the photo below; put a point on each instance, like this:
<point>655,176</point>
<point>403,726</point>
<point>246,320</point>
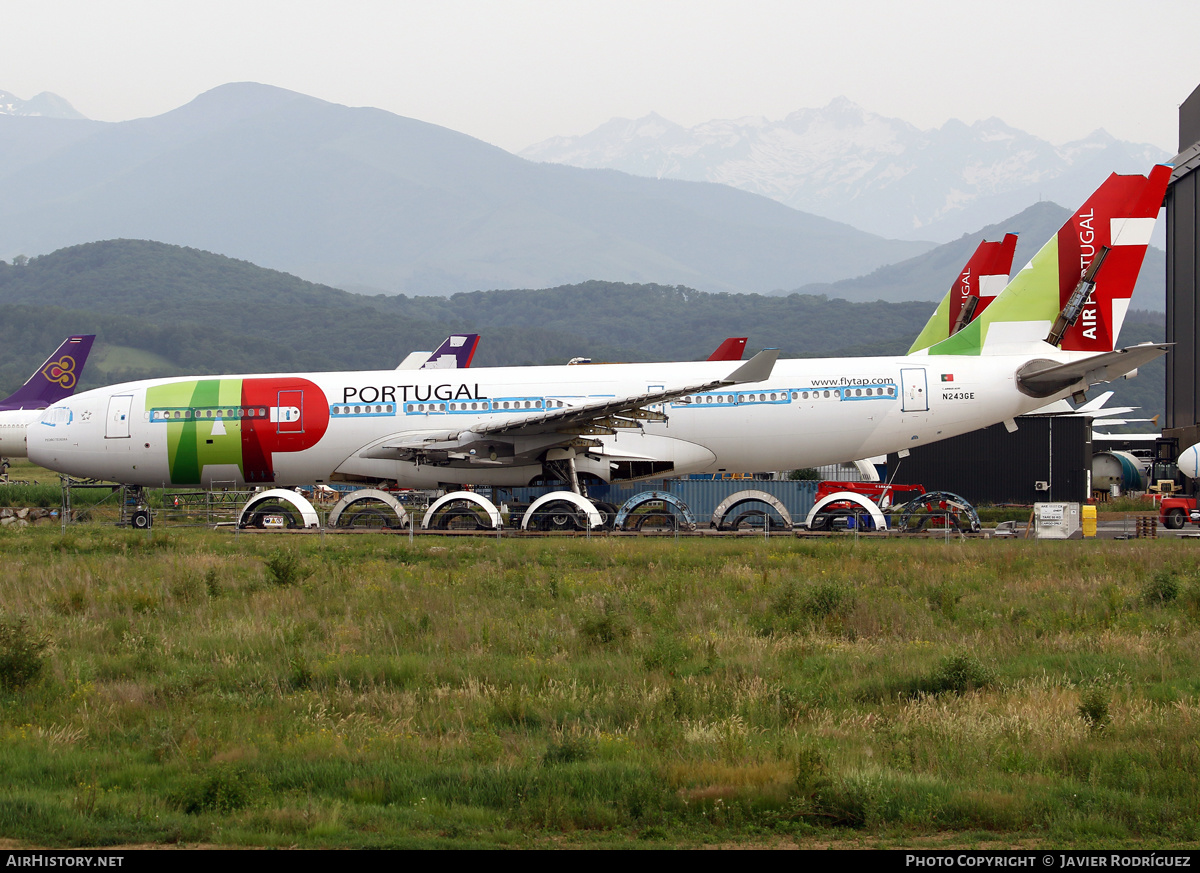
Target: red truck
<point>1175,512</point>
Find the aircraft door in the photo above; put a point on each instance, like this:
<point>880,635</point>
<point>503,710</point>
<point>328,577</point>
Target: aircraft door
<point>916,390</point>
<point>289,413</point>
<point>117,425</point>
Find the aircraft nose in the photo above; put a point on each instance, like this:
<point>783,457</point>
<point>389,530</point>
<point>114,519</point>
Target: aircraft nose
<point>45,436</point>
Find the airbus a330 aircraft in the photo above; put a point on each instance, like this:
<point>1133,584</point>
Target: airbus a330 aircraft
<point>1048,335</point>
<point>52,381</point>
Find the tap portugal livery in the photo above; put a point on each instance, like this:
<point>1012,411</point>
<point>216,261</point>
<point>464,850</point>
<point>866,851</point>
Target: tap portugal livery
<point>507,426</point>
<point>980,281</point>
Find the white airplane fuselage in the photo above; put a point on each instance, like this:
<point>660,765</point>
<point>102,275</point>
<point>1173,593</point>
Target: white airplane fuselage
<point>291,429</point>
<point>13,428</point>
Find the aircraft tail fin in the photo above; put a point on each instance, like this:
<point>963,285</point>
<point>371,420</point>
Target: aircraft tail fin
<point>453,354</point>
<point>56,378</point>
<point>984,276</point>
<point>1075,291</point>
<point>730,350</point>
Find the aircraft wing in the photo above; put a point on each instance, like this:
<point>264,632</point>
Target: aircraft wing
<point>541,429</point>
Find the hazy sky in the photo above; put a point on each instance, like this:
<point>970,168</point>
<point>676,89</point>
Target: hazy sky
<point>514,72</point>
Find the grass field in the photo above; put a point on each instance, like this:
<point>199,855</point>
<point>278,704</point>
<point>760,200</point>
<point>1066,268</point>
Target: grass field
<point>279,690</point>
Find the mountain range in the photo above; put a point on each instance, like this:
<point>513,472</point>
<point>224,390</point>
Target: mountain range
<point>44,105</point>
<point>364,199</point>
<point>928,275</point>
<point>882,175</point>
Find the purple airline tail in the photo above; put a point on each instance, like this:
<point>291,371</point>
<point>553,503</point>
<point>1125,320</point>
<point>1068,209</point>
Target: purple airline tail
<point>55,379</point>
<point>454,354</point>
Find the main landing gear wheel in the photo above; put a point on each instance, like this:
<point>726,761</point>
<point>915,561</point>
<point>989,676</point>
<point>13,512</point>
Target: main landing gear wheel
<point>558,516</point>
<point>608,514</point>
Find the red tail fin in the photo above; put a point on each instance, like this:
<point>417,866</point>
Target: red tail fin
<point>984,276</point>
<point>730,350</point>
<point>1119,216</point>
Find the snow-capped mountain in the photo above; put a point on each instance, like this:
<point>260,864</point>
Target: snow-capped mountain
<point>362,198</point>
<point>46,105</point>
<point>882,175</point>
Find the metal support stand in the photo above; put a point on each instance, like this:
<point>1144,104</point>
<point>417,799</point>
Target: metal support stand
<point>65,503</point>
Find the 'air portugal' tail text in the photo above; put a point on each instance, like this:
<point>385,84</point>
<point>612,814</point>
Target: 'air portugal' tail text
<point>1075,292</point>
<point>984,276</point>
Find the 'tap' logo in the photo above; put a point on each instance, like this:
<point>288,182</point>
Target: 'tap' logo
<point>61,371</point>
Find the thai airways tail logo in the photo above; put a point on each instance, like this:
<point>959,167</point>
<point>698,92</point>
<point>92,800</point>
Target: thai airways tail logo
<point>61,371</point>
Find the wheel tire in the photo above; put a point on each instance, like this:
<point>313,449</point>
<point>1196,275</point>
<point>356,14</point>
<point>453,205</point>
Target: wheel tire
<point>462,519</point>
<point>1175,518</point>
<point>560,520</point>
<point>141,519</point>
<point>661,521</point>
<point>608,514</point>
<point>748,518</point>
<point>373,519</point>
<point>820,521</point>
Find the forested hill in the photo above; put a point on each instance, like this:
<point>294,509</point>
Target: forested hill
<point>166,310</point>
<point>199,312</point>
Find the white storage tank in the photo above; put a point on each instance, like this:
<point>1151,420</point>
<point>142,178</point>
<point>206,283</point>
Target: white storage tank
<point>1117,468</point>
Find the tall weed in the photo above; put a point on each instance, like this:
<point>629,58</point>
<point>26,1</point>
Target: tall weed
<point>22,654</point>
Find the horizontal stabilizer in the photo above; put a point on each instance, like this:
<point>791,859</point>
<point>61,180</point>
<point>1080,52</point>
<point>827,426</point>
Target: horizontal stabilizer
<point>1042,378</point>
